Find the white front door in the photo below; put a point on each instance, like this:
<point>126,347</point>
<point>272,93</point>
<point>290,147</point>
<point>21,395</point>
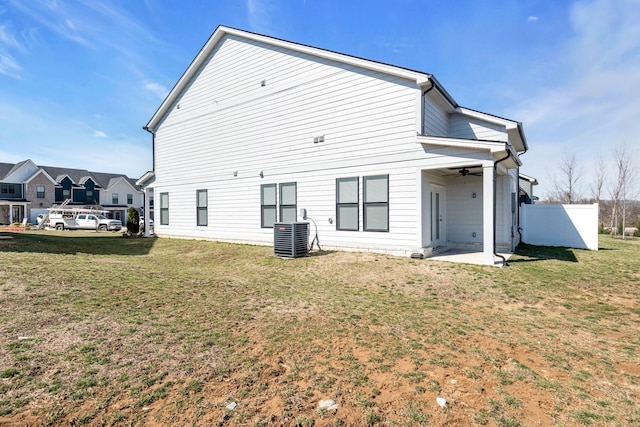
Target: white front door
<point>438,224</point>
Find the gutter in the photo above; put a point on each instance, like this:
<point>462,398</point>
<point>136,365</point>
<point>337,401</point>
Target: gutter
<point>147,221</point>
<point>153,147</point>
<point>495,186</point>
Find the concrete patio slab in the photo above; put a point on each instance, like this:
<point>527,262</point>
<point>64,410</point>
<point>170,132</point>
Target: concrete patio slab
<point>466,257</point>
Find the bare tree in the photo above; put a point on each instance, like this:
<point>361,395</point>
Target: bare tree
<point>565,185</point>
<point>623,187</point>
<point>599,180</point>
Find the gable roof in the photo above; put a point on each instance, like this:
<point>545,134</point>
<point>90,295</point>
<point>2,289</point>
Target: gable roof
<point>421,79</point>
<point>5,168</point>
<point>77,176</point>
<point>41,171</point>
<point>9,168</point>
<point>514,129</point>
<point>528,178</point>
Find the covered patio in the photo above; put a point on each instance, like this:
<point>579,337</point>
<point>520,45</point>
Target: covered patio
<point>468,257</point>
<point>13,210</point>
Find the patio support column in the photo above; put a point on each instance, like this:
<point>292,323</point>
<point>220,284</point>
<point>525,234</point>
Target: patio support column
<point>487,213</point>
<point>10,213</point>
<point>147,218</point>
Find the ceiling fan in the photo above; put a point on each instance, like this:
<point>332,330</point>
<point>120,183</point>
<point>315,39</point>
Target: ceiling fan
<point>465,171</point>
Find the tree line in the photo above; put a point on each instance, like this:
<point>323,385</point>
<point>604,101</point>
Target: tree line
<point>612,182</point>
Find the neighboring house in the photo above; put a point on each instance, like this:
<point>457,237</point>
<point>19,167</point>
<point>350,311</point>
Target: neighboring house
<point>525,192</point>
<point>14,205</point>
<point>27,189</point>
<point>381,157</point>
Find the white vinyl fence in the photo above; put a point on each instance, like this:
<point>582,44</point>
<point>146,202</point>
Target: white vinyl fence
<point>572,226</point>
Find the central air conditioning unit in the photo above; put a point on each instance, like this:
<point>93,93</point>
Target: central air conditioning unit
<point>291,239</point>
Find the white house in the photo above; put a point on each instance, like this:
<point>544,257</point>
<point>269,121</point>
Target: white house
<point>119,194</point>
<point>381,157</point>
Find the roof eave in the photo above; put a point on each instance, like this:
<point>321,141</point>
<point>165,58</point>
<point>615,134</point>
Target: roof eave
<point>146,179</point>
<point>514,128</point>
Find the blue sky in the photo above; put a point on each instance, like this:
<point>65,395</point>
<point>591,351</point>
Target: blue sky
<point>79,78</point>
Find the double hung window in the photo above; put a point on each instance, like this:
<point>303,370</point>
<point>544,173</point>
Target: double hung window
<point>164,208</point>
<point>375,203</point>
<point>271,210</point>
<point>347,204</point>
<point>201,207</point>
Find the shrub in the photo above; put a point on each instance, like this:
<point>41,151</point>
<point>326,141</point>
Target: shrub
<point>133,221</point>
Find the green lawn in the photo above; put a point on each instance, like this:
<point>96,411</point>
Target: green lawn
<point>96,329</point>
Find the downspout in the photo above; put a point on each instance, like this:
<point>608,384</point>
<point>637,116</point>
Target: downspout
<point>495,191</point>
<point>518,228</point>
<point>147,208</point>
<point>424,107</point>
<point>153,147</point>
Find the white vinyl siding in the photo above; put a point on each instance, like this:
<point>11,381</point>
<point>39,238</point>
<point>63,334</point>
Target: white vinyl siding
<point>241,140</point>
<point>124,191</point>
<point>464,212</point>
<point>462,126</point>
<point>435,118</point>
<point>368,120</point>
<point>302,99</point>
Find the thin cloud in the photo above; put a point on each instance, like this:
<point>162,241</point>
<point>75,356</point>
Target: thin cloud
<point>532,18</point>
<point>90,24</point>
<point>156,88</point>
<point>260,14</point>
<point>7,38</point>
<point>399,47</point>
<point>590,100</point>
<point>8,65</point>
<point>99,134</point>
<point>60,130</point>
<point>55,16</point>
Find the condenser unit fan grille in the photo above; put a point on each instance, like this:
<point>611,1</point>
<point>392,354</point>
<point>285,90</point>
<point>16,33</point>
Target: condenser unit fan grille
<point>291,239</point>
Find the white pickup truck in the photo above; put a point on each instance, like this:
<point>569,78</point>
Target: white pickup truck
<point>83,221</point>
